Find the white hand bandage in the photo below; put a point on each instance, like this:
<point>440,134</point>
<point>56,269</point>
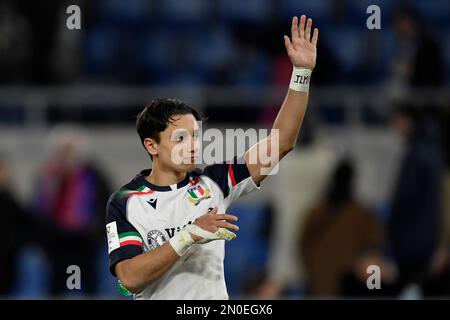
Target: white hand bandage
<point>183,240</point>
<point>221,234</point>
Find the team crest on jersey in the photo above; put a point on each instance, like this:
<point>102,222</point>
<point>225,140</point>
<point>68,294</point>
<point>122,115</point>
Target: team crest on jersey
<point>198,193</point>
<point>155,239</point>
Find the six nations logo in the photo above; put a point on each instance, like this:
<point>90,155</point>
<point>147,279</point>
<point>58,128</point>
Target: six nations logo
<point>155,239</point>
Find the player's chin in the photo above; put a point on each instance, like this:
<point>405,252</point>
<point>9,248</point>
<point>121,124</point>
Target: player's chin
<point>186,167</point>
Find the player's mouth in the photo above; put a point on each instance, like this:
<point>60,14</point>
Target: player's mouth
<point>190,159</point>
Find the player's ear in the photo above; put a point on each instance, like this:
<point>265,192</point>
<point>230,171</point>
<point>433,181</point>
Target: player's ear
<point>151,146</point>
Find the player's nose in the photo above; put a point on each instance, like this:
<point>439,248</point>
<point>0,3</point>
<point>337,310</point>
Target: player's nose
<point>194,146</point>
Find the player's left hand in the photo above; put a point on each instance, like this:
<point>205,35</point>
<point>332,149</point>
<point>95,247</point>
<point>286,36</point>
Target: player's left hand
<point>301,48</point>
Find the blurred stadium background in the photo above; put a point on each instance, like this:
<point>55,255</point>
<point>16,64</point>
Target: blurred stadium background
<point>355,192</point>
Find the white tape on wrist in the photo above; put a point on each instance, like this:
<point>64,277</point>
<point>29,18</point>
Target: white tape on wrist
<point>181,242</point>
<point>220,234</point>
<point>300,79</point>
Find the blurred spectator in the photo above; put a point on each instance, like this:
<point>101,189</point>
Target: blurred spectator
<point>418,59</point>
<point>446,143</point>
<point>15,232</point>
<point>417,200</point>
<point>326,72</point>
<point>43,21</point>
<point>340,238</point>
<point>70,197</point>
<point>15,44</point>
<point>446,195</point>
<point>439,284</point>
<point>65,59</point>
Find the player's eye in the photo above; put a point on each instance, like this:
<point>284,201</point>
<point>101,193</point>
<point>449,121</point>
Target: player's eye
<point>179,138</point>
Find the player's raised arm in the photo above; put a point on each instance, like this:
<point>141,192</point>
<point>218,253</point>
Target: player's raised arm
<point>301,49</point>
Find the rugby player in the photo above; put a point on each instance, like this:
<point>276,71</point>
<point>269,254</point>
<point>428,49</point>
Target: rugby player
<point>167,228</point>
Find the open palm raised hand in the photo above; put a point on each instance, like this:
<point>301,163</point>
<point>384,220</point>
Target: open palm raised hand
<point>301,48</point>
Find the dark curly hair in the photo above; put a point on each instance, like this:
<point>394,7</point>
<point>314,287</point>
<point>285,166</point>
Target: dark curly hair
<point>157,115</point>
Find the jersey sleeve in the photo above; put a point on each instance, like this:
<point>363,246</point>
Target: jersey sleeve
<point>124,241</point>
<point>233,178</point>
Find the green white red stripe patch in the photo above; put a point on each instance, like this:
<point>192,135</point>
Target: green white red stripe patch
<point>143,190</point>
<point>231,178</point>
<point>130,238</point>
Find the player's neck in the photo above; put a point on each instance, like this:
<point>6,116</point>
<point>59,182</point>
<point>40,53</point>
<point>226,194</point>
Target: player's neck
<point>164,177</point>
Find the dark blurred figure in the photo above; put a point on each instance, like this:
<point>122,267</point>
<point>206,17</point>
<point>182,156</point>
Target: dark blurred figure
<point>440,268</point>
<point>35,44</point>
<point>416,219</point>
<point>417,60</point>
<point>438,281</point>
<point>340,239</point>
<point>15,232</point>
<point>70,198</point>
<point>426,64</point>
<point>15,44</point>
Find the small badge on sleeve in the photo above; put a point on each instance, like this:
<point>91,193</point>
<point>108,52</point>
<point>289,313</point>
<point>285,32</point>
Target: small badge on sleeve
<point>113,236</point>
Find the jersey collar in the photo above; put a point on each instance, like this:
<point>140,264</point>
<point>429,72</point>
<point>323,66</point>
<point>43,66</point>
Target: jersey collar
<point>141,178</point>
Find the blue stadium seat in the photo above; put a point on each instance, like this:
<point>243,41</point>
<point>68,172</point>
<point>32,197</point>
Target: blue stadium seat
<point>185,11</point>
<point>253,70</point>
<point>212,48</point>
<point>154,55</point>
<point>121,12</point>
<point>32,274</point>
<point>345,43</point>
<point>188,77</point>
<point>436,12</point>
<point>106,286</point>
<point>318,10</point>
<point>389,44</point>
<point>375,55</point>
<point>253,11</point>
<point>100,49</point>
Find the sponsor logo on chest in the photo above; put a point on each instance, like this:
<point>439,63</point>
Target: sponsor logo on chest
<point>156,238</point>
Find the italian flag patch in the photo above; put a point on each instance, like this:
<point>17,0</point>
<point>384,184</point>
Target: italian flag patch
<point>231,178</point>
<point>130,238</point>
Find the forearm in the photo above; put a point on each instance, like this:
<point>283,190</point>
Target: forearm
<point>289,119</point>
<point>138,272</point>
<point>283,137</point>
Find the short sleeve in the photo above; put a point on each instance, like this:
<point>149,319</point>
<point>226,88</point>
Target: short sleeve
<point>124,241</point>
<point>233,178</point>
